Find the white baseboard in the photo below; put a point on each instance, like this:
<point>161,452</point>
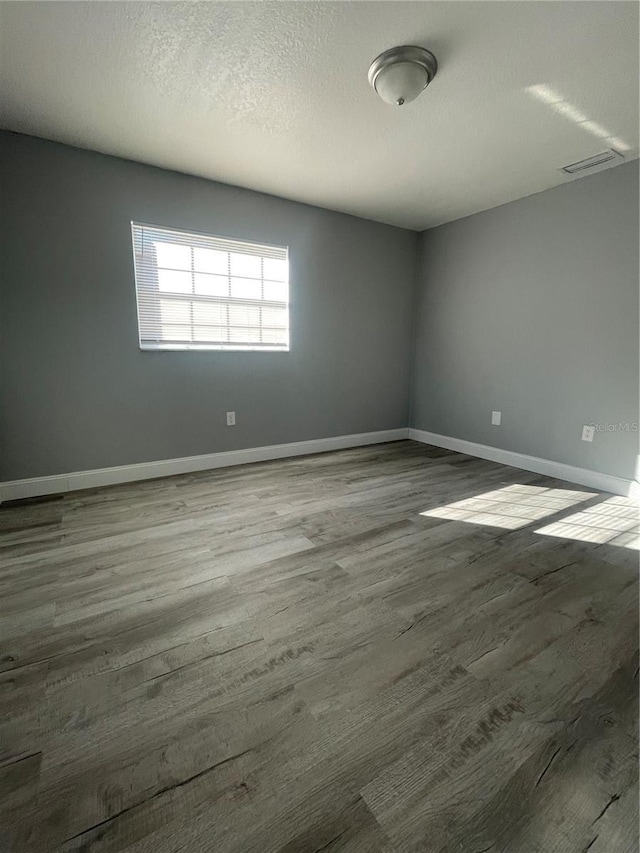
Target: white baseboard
<point>581,476</point>
<point>59,483</point>
<point>634,490</point>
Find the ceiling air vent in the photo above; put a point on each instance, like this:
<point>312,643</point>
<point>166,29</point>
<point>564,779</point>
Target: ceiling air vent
<point>598,161</point>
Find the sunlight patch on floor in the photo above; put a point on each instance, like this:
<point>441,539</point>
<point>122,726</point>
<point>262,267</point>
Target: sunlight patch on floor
<point>615,521</point>
<point>511,507</point>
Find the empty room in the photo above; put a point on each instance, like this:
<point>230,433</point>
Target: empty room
<point>319,449</point>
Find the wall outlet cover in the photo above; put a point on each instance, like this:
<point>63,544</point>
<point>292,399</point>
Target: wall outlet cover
<point>496,417</point>
<point>231,418</point>
<point>588,432</point>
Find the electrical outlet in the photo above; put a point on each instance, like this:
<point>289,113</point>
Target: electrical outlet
<point>231,418</point>
<point>496,417</point>
<point>588,432</point>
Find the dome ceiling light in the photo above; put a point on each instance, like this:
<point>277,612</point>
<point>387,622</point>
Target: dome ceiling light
<point>399,75</point>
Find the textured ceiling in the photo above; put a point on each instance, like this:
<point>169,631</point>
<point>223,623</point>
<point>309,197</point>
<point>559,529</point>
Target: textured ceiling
<point>274,95</point>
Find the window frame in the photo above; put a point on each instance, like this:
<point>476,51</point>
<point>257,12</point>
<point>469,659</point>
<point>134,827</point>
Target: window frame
<point>143,289</point>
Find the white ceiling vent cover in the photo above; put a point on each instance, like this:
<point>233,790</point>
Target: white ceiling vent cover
<point>591,164</point>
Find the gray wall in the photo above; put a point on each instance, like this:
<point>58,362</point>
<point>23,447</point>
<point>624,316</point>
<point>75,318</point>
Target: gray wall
<point>77,393</point>
<point>532,309</point>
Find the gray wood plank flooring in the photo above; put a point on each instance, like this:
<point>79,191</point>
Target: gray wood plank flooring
<point>381,650</point>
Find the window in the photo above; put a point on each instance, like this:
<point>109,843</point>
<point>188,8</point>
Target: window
<point>197,292</point>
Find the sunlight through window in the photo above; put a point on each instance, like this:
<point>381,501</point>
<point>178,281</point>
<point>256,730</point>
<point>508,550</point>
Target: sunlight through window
<point>511,507</point>
<point>615,521</point>
<point>565,108</point>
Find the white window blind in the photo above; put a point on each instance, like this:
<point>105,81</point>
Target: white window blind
<point>201,292</point>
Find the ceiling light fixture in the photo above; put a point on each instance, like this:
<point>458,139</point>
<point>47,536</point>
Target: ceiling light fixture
<point>399,75</point>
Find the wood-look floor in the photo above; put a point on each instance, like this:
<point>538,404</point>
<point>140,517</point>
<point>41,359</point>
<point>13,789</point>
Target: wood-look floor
<point>289,657</point>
